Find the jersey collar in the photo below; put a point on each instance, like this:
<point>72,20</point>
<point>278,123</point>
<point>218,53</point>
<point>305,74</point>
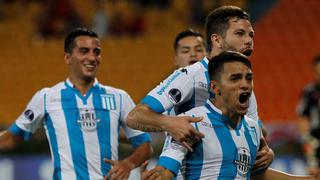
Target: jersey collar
<point>216,113</point>
<point>70,84</point>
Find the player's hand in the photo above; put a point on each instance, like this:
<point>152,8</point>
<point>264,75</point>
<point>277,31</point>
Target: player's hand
<point>157,173</point>
<point>120,169</point>
<point>265,156</point>
<point>181,130</point>
<point>143,169</point>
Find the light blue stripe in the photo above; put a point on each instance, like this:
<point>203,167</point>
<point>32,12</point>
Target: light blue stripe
<point>260,123</point>
<point>194,160</point>
<point>204,63</point>
<point>153,103</point>
<point>206,73</point>
<point>253,148</point>
<point>227,147</point>
<point>54,148</point>
<point>14,129</point>
<point>103,130</point>
<point>170,164</point>
<point>71,112</point>
<point>140,139</point>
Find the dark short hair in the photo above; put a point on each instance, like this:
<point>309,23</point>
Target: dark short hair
<point>217,22</point>
<point>316,59</point>
<point>69,42</point>
<point>186,33</point>
<point>216,63</point>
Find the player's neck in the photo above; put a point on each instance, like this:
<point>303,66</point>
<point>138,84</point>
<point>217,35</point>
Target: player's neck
<point>233,116</point>
<point>83,85</point>
<point>213,53</point>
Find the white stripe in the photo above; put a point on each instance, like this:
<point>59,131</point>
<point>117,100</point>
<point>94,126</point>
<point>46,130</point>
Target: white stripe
<point>67,169</point>
<point>108,102</point>
<point>213,151</point>
<point>91,144</point>
<point>103,99</point>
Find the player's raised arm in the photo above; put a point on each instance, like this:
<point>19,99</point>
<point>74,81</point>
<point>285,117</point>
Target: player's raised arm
<point>142,117</point>
<point>8,140</point>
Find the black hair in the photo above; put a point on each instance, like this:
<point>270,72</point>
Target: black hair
<point>69,42</point>
<point>186,33</point>
<point>217,22</point>
<point>215,65</point>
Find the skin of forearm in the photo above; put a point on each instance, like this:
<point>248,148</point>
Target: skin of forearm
<point>140,155</point>
<point>7,140</point>
<point>145,119</point>
<point>271,174</point>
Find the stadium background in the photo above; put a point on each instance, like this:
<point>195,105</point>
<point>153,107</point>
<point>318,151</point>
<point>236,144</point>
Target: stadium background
<point>137,42</point>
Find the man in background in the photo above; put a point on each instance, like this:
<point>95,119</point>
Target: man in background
<point>309,122</point>
<point>81,118</point>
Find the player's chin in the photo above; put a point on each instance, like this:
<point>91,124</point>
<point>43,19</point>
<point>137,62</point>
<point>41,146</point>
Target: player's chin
<point>242,110</point>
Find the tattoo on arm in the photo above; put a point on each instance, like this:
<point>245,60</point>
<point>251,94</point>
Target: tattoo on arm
<point>146,128</point>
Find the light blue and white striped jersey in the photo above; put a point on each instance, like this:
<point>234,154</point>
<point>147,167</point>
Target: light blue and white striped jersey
<point>185,89</point>
<point>224,152</point>
<point>82,130</point>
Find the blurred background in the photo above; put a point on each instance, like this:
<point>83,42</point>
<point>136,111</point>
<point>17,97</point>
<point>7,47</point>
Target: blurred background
<point>137,40</point>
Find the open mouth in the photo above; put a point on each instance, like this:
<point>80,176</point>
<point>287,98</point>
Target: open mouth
<point>244,97</point>
<point>247,52</point>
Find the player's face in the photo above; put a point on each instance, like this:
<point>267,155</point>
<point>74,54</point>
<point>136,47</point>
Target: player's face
<point>190,50</point>
<point>239,37</point>
<point>85,58</point>
<point>235,87</point>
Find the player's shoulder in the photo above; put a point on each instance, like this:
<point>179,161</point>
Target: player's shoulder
<point>113,90</point>
<point>195,68</point>
<point>55,88</point>
<point>251,121</point>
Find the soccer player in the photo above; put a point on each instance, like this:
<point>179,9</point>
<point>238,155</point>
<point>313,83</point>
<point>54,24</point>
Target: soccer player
<point>227,28</point>
<point>189,48</point>
<point>231,142</point>
<point>82,118</point>
<point>309,121</point>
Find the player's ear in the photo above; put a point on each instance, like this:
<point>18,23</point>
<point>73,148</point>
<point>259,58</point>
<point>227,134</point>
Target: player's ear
<point>67,58</point>
<point>216,41</point>
<point>214,87</point>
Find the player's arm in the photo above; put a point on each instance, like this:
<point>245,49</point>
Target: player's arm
<point>8,140</point>
<point>142,117</point>
<point>176,89</point>
<point>26,124</point>
<point>139,140</point>
<point>272,174</point>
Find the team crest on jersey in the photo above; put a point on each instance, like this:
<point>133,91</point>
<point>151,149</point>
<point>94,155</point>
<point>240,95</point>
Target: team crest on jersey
<point>243,159</point>
<point>108,101</point>
<point>88,119</point>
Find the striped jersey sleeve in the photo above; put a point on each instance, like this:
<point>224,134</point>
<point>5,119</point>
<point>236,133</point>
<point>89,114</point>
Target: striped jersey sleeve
<point>174,90</point>
<point>136,137</point>
<point>31,118</point>
<point>172,155</point>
